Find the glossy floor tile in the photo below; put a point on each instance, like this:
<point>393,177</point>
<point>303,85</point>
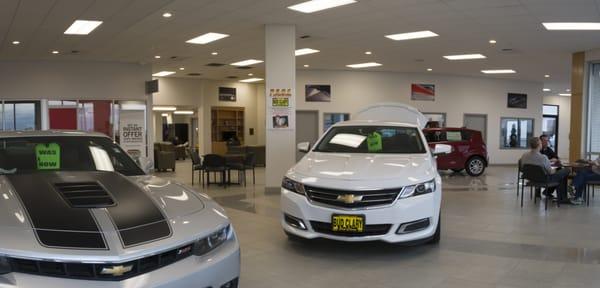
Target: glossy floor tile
<point>488,240</point>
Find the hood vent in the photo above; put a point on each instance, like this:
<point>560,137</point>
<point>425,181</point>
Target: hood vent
<point>85,194</point>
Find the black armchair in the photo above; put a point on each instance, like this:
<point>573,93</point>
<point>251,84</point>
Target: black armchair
<point>196,166</point>
<point>216,164</point>
<point>537,177</point>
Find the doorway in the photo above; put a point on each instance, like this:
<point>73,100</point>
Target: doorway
<point>550,125</point>
<point>307,128</point>
<point>477,122</point>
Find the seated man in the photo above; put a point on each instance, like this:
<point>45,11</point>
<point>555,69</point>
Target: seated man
<point>534,157</point>
<point>585,175</point>
<point>547,151</point>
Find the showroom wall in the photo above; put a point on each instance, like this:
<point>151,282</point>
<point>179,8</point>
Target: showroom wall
<point>564,122</point>
<point>455,96</point>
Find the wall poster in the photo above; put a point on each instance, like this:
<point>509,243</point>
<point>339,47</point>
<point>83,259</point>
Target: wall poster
<point>280,109</point>
<point>227,94</point>
<point>422,92</point>
<point>132,133</point>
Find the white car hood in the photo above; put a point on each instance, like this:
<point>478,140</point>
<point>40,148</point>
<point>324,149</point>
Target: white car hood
<point>400,169</point>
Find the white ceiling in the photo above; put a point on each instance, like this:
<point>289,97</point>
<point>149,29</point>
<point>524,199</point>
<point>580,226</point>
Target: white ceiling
<point>135,31</point>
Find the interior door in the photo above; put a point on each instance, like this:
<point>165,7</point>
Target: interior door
<point>307,128</point>
<point>477,122</point>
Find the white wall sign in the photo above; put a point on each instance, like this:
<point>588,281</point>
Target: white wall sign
<point>132,133</point>
<point>280,108</point>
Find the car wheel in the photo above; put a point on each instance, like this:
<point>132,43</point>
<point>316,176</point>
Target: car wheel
<point>438,233</point>
<point>475,166</point>
<point>457,170</point>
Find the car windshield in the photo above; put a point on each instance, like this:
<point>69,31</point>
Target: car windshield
<point>372,139</point>
<point>64,153</point>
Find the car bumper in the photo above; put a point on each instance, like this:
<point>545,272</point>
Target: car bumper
<point>402,211</point>
<point>211,270</point>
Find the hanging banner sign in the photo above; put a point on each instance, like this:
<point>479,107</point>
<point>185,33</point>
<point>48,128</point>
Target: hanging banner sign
<point>132,133</point>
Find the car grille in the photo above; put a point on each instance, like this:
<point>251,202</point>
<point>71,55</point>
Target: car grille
<point>370,230</point>
<point>86,271</point>
<point>369,197</point>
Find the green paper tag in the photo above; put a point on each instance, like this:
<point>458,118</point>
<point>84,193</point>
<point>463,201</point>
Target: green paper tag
<point>374,142</point>
<point>48,156</point>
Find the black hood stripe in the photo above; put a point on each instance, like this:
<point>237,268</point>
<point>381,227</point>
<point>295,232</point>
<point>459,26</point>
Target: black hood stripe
<point>54,222</point>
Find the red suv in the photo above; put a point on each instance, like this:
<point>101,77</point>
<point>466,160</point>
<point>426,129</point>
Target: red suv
<point>468,149</point>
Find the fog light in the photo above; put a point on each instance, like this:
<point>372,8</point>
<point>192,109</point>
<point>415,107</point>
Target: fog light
<point>231,284</point>
<point>294,222</point>
<point>414,226</point>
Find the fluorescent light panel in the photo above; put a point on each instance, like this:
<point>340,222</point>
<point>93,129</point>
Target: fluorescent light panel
<point>465,57</point>
<point>546,89</point>
<point>363,65</point>
<point>564,94</point>
<point>412,35</point>
<point>318,5</point>
<point>250,80</point>
<point>164,108</point>
<point>163,73</point>
<point>572,25</point>
<point>207,38</point>
<point>184,112</point>
<point>82,27</point>
<point>499,71</point>
<point>247,62</point>
<point>306,51</point>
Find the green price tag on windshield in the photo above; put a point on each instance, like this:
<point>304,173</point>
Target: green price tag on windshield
<point>374,142</point>
<point>47,156</point>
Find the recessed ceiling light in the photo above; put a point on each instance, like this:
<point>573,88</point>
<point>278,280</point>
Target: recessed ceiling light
<point>493,41</point>
<point>306,65</point>
<point>318,5</point>
<point>564,94</point>
<point>157,56</point>
<point>572,25</point>
<point>568,90</point>
<point>250,74</point>
<point>306,51</point>
<point>546,76</point>
<point>55,52</point>
<point>167,15</point>
<point>465,57</point>
<point>214,53</point>
<point>164,114</point>
<point>163,73</point>
<point>16,42</point>
<point>368,52</point>
<point>82,27</point>
<point>499,71</point>
<point>164,108</point>
<point>363,65</point>
<point>184,112</point>
<point>250,80</point>
<point>247,62</point>
<point>429,69</point>
<point>207,38</point>
<point>546,89</point>
<point>412,35</point>
<point>181,68</point>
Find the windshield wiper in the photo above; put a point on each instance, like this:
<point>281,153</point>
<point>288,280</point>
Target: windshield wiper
<point>8,171</point>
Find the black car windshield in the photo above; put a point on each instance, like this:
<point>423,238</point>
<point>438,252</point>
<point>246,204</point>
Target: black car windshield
<point>372,139</point>
<point>64,153</point>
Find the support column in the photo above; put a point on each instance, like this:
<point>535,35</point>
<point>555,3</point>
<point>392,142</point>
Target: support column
<point>280,73</point>
<point>577,113</point>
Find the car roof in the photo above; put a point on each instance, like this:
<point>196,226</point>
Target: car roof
<point>50,133</point>
<point>373,123</point>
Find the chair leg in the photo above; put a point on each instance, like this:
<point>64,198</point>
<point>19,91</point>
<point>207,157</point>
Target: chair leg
<point>193,176</point>
<point>253,176</point>
<point>522,194</point>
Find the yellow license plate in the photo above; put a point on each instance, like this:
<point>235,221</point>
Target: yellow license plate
<point>347,223</point>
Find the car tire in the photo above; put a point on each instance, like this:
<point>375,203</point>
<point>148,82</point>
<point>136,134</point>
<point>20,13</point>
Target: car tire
<point>475,166</point>
<point>438,233</point>
<point>457,170</point>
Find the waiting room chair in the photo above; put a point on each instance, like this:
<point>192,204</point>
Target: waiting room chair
<point>537,177</point>
<point>196,166</point>
<point>216,164</point>
<point>590,185</point>
<point>250,164</point>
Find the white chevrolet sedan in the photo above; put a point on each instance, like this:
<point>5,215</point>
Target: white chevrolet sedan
<point>373,178</point>
<point>76,211</point>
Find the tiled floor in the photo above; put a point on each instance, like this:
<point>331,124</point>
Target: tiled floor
<point>487,241</point>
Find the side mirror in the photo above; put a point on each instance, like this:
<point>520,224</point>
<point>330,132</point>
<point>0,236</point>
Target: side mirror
<point>441,149</point>
<point>303,147</point>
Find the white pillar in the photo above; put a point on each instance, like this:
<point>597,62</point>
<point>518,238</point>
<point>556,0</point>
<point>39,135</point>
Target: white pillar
<point>280,64</point>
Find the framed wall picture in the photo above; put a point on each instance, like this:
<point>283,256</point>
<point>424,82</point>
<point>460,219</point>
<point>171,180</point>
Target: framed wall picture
<point>517,100</point>
<point>227,94</point>
<point>317,93</point>
<point>422,92</point>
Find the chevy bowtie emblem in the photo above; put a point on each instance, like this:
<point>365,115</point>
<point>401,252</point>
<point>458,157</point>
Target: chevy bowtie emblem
<point>349,198</point>
<point>116,270</point>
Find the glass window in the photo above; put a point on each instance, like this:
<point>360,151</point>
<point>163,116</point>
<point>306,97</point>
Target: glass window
<point>64,153</point>
<point>372,139</point>
<point>9,116</point>
<point>515,132</point>
<point>593,113</point>
<point>331,118</point>
<point>550,110</point>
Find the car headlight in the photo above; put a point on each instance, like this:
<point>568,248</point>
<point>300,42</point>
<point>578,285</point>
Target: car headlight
<point>213,241</point>
<point>4,266</point>
<point>419,189</point>
<point>293,186</point>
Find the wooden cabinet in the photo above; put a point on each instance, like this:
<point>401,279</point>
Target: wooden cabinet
<point>226,122</point>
